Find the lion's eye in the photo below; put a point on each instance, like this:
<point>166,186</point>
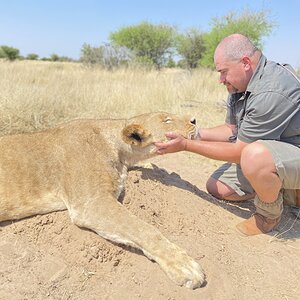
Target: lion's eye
<point>168,120</point>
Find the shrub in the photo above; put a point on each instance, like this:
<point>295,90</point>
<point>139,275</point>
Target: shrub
<point>254,25</point>
<point>9,52</point>
<point>32,56</point>
<point>146,40</point>
<point>108,56</point>
<point>191,47</point>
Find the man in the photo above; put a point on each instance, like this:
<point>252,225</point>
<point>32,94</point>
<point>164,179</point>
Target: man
<point>261,137</point>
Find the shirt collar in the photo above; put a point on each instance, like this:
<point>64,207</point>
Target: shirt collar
<point>257,74</point>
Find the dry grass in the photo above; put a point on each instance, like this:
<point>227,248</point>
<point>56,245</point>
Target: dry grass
<point>37,95</point>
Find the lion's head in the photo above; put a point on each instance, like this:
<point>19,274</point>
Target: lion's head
<point>146,129</point>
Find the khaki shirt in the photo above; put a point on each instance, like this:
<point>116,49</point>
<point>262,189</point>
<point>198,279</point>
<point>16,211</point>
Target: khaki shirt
<point>269,109</point>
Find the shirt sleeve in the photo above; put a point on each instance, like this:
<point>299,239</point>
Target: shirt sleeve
<point>266,117</point>
<point>230,116</point>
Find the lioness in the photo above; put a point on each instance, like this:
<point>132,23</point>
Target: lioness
<point>81,166</point>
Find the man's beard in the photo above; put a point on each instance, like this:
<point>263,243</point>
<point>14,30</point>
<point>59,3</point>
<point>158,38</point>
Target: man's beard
<point>230,88</point>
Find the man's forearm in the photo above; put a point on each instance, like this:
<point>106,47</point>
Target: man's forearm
<point>225,151</point>
<point>220,133</point>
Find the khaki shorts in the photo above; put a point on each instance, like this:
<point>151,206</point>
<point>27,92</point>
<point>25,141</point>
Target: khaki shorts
<point>287,161</point>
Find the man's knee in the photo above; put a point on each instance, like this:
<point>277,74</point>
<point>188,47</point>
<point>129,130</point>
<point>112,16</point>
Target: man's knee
<point>256,158</point>
<point>218,189</point>
<point>222,191</point>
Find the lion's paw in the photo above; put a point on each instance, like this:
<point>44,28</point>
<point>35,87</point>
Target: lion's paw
<point>184,271</point>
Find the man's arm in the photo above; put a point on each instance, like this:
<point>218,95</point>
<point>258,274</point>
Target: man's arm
<point>224,151</point>
<point>220,133</point>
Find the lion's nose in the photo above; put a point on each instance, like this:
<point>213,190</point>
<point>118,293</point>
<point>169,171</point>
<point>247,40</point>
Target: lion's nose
<point>193,121</point>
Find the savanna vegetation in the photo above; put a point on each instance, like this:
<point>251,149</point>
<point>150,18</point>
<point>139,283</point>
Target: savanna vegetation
<point>36,94</point>
<point>134,73</point>
<point>163,45</point>
<point>157,45</point>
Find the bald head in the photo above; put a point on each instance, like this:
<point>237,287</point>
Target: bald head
<point>236,59</point>
<point>235,46</point>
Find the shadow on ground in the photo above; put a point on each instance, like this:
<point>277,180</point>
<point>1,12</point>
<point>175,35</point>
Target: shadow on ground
<point>289,227</point>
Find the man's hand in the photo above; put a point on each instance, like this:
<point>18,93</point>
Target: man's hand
<point>176,143</point>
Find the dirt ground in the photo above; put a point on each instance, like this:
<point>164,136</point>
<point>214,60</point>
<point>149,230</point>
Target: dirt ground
<point>47,257</point>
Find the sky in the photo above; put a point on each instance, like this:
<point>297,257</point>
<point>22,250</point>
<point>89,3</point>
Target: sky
<point>63,26</point>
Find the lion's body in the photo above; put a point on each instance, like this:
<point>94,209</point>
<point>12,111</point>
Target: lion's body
<point>39,171</point>
<point>81,166</point>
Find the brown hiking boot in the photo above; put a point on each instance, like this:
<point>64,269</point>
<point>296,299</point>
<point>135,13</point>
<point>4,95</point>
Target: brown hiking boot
<point>257,224</point>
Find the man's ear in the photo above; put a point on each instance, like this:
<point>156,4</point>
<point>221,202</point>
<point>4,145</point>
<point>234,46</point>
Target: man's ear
<point>247,63</point>
<point>135,134</point>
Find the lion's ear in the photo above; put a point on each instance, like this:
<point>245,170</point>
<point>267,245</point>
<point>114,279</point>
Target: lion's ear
<point>135,134</point>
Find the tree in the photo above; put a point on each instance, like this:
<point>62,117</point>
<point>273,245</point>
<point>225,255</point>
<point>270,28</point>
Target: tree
<point>66,59</point>
<point>2,53</point>
<point>171,63</point>
<point>191,47</point>
<point>91,55</point>
<point>9,52</point>
<point>147,41</point>
<point>254,25</point>
<point>107,55</point>
<point>54,57</point>
<point>115,56</point>
<point>32,56</point>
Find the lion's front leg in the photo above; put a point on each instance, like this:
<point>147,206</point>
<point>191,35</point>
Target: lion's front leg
<point>111,220</point>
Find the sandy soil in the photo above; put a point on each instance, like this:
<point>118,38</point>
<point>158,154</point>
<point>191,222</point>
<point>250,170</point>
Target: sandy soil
<point>47,257</point>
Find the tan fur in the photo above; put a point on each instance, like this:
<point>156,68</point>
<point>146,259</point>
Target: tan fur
<point>81,166</point>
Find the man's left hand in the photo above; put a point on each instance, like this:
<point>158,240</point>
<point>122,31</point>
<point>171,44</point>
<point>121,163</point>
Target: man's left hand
<point>176,143</point>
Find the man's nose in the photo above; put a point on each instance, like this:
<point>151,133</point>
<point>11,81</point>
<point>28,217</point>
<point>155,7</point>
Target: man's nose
<point>222,78</point>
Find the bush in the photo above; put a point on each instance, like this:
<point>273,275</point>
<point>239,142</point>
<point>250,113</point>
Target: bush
<point>54,57</point>
<point>191,47</point>
<point>91,55</point>
<point>2,53</point>
<point>171,63</point>
<point>147,40</point>
<point>142,62</point>
<point>108,56</point>
<point>254,25</point>
<point>9,53</point>
<point>32,56</point>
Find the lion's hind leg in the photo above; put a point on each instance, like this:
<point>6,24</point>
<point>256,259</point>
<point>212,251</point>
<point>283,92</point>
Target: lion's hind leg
<point>114,222</point>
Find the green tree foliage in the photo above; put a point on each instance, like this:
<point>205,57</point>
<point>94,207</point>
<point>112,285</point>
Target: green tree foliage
<point>9,53</point>
<point>54,57</point>
<point>171,63</point>
<point>108,56</point>
<point>32,56</point>
<point>191,47</point>
<point>66,59</point>
<point>147,41</point>
<point>2,53</point>
<point>115,56</point>
<point>91,55</point>
<point>254,25</point>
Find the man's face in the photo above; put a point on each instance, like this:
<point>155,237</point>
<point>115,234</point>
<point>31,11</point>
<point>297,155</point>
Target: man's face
<point>233,74</point>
